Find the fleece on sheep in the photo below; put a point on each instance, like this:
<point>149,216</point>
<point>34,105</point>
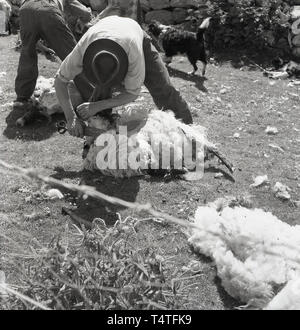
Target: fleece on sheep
<point>152,128</point>
<point>149,131</point>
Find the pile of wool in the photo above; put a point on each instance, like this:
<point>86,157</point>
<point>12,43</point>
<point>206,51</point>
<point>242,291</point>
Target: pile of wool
<point>148,132</point>
<point>288,298</point>
<point>255,253</point>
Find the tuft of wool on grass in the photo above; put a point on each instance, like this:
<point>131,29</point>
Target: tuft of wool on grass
<point>255,253</point>
<point>152,136</point>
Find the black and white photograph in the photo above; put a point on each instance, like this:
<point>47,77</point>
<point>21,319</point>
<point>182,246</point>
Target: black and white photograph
<point>149,158</point>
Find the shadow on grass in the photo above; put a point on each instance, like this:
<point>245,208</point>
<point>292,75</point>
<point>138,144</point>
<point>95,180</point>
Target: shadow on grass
<point>198,80</point>
<point>214,169</point>
<point>245,58</point>
<point>126,189</point>
<point>37,130</point>
<point>229,302</point>
<point>91,208</point>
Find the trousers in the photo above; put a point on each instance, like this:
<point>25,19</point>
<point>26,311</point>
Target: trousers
<point>42,19</point>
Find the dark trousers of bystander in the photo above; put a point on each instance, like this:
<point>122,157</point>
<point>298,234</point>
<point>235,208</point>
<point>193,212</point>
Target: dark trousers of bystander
<point>42,19</point>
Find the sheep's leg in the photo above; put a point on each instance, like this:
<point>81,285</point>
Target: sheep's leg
<point>33,110</point>
<point>204,69</point>
<point>44,112</point>
<point>222,158</point>
<point>194,64</point>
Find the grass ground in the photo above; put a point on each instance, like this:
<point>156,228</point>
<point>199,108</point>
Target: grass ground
<point>233,99</point>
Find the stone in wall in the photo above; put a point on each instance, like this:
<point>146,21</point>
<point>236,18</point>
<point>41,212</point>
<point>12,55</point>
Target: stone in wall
<point>295,12</point>
<point>159,4</point>
<point>162,16</point>
<point>295,31</point>
<point>145,5</point>
<point>179,15</point>
<point>184,3</point>
<point>96,5</point>
<point>296,52</point>
<point>296,41</point>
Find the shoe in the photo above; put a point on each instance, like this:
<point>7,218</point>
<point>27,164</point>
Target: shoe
<point>27,118</point>
<point>22,103</point>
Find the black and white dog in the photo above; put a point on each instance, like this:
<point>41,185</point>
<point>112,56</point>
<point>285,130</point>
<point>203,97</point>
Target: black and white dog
<point>174,42</point>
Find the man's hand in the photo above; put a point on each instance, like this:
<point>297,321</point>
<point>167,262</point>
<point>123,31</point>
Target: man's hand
<point>84,110</point>
<point>76,127</point>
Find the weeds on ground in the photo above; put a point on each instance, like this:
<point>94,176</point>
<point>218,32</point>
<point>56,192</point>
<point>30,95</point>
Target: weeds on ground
<point>99,269</point>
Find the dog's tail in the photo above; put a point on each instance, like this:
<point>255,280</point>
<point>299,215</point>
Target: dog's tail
<point>203,27</point>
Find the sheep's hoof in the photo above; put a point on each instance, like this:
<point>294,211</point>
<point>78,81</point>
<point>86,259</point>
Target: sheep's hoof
<point>44,113</point>
<point>193,176</point>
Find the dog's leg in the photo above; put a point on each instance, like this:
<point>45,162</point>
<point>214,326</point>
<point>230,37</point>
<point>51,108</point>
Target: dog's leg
<point>167,60</point>
<point>204,69</point>
<point>9,28</point>
<point>195,69</point>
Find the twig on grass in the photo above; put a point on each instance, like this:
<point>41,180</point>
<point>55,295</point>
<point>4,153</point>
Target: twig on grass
<point>23,297</point>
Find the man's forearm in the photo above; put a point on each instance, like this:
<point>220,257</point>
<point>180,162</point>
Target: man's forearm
<point>64,100</point>
<point>119,100</point>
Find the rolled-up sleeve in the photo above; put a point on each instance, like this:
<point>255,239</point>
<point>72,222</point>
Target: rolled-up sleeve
<point>135,77</point>
<point>71,66</point>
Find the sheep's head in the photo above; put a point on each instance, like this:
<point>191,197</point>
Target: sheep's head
<point>104,121</point>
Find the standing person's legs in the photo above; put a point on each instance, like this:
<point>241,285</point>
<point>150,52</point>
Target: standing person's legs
<point>158,82</point>
<point>27,72</point>
<point>60,38</point>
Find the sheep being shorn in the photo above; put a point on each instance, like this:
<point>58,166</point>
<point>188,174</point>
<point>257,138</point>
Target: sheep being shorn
<point>255,253</point>
<point>156,140</point>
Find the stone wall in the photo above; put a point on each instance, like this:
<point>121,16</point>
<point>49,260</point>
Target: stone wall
<point>294,35</point>
<point>171,12</point>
